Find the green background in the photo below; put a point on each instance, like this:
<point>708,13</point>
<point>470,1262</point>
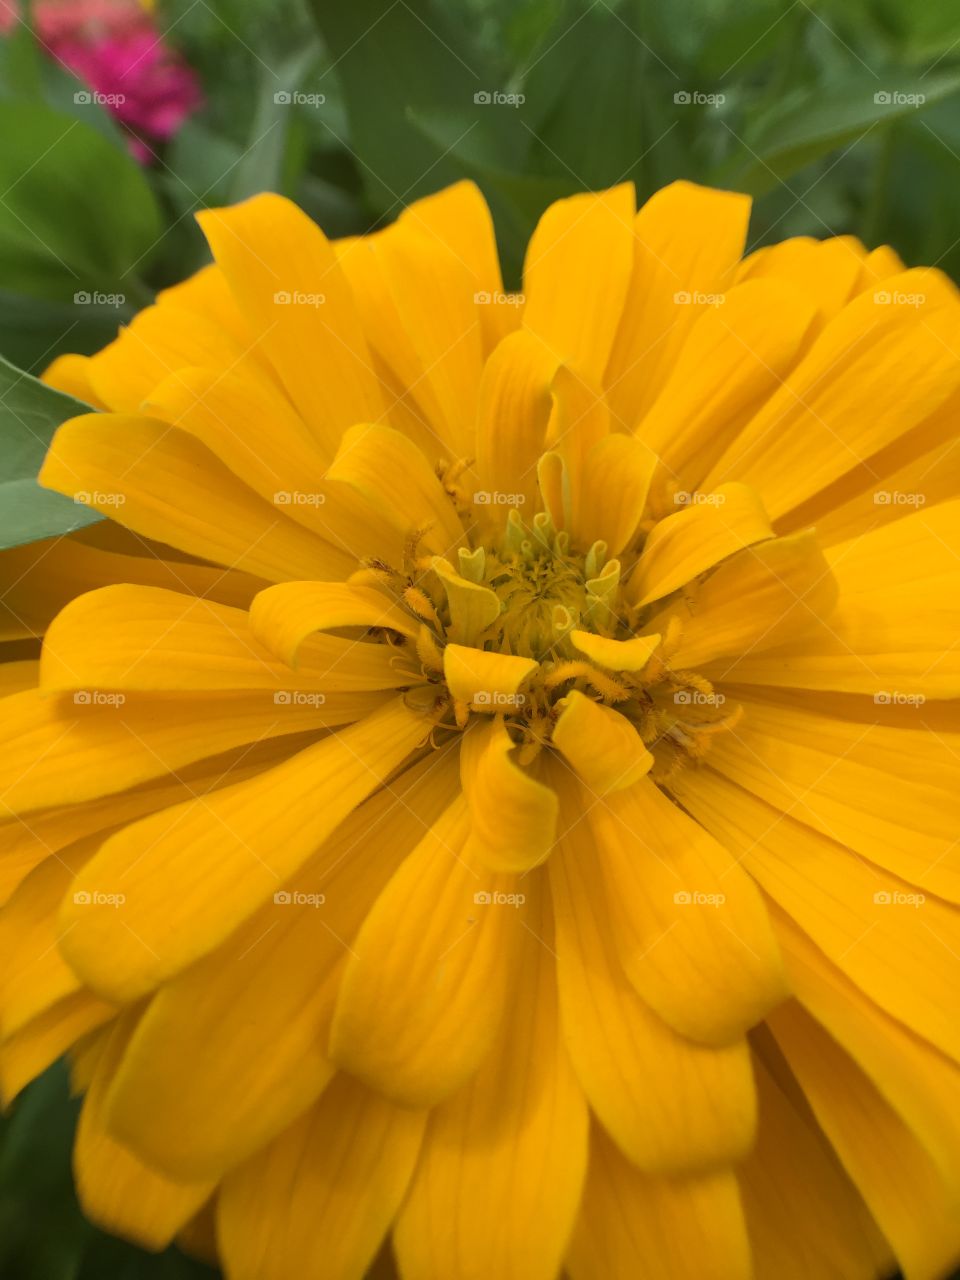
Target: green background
<point>839,117</point>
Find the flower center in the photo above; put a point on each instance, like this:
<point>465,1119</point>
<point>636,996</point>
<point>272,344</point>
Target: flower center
<point>527,594</point>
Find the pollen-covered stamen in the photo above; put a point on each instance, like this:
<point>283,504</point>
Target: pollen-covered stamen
<point>528,596</point>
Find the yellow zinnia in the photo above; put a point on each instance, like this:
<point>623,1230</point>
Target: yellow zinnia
<point>504,796</point>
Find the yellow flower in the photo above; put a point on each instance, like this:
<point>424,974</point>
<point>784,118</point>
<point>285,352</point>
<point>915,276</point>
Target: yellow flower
<point>501,795</point>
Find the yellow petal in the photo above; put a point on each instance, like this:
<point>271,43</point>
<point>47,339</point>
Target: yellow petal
<point>164,640</point>
<point>162,484</point>
<point>83,747</point>
<point>46,575</point>
<point>434,291</point>
<point>691,928</point>
<point>320,1199</point>
<point>195,322</point>
<point>430,971</point>
<point>832,411</point>
<point>390,471</point>
<point>894,629</point>
<point>192,874</point>
<point>234,1049</point>
<point>513,817</point>
<point>618,471</point>
<point>411,405</point>
<point>226,412</point>
<point>26,842</point>
<point>887,791</point>
<point>71,375</point>
<point>599,744</point>
<point>118,1191</point>
<point>636,1227</point>
<point>284,275</point>
<point>514,409</point>
<point>616,655</point>
<point>916,1211</point>
<point>472,607</point>
<point>675,269</point>
<point>761,596</point>
<point>458,218</point>
<point>871,926</point>
<point>919,1083</point>
<point>36,977</point>
<point>30,1051</point>
<point>499,1178</point>
<point>670,1104</point>
<point>487,681</point>
<point>282,617</point>
<point>697,537</point>
<point>804,1217</point>
<point>828,272</point>
<point>734,357</point>
<point>576,274</point>
<point>580,421</point>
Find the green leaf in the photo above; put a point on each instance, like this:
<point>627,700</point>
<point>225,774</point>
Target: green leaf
<point>591,80</point>
<point>30,413</point>
<point>275,155</point>
<point>34,331</point>
<point>814,122</point>
<point>77,212</point>
<point>516,199</point>
<point>394,61</point>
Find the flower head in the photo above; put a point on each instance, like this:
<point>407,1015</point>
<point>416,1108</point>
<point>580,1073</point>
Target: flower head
<point>115,47</point>
<point>502,796</point>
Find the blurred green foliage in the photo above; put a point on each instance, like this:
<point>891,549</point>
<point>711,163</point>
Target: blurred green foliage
<point>837,115</point>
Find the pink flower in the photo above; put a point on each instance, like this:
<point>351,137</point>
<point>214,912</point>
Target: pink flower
<point>116,49</point>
